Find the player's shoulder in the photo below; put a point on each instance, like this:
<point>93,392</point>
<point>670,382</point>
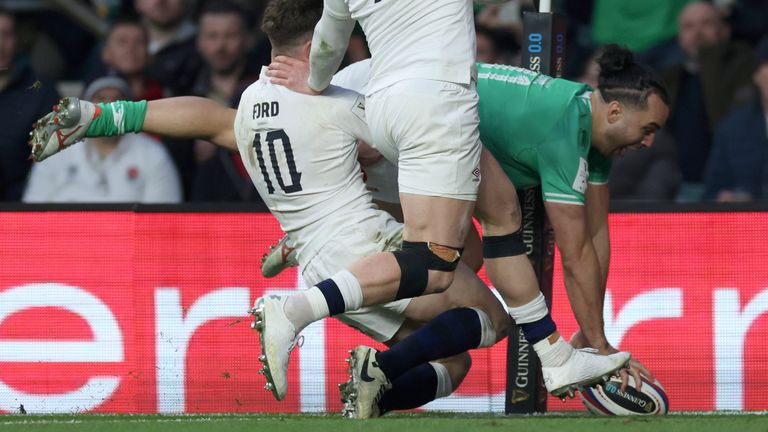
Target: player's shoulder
<point>340,93</point>
<point>505,73</point>
<point>341,99</point>
<point>354,76</point>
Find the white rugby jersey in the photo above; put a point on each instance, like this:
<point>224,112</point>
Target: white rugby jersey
<point>424,39</point>
<point>301,154</point>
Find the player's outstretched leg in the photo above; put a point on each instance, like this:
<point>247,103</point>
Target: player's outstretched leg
<point>450,333</point>
<point>277,338</point>
<point>280,257</point>
<point>425,383</point>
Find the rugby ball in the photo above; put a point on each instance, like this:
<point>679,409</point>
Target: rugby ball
<point>608,400</point>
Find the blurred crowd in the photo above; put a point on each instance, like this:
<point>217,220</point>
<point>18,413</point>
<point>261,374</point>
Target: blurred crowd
<point>712,54</point>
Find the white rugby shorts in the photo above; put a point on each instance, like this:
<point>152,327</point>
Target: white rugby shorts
<point>430,129</point>
<point>377,234</point>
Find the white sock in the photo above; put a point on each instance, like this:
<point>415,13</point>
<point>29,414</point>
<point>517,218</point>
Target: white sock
<point>306,307</point>
<point>444,385</point>
<point>350,290</point>
<point>530,312</point>
<point>553,355</point>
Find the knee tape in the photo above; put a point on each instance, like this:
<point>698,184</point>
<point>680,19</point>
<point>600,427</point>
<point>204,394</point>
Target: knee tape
<point>416,259</point>
<point>504,246</point>
<point>487,331</point>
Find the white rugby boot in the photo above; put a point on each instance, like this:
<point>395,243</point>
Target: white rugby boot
<point>277,338</point>
<point>62,127</point>
<point>585,368</point>
<point>367,384</point>
<point>280,257</point>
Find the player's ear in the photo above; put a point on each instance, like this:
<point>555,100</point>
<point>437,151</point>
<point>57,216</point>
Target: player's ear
<point>614,111</point>
<point>306,48</point>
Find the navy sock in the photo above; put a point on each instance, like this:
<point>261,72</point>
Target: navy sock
<point>332,295</point>
<point>538,330</point>
<point>448,334</point>
<point>411,390</point>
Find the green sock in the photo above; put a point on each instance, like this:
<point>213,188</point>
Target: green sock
<point>118,118</point>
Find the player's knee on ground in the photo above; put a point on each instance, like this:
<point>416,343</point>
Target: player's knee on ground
<point>425,268</point>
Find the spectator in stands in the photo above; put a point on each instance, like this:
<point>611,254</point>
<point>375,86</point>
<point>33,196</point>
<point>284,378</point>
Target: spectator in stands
<point>23,99</point>
<point>737,168</point>
<point>748,18</point>
<point>714,79</point>
<point>175,61</point>
<point>646,27</point>
<point>175,64</point>
<point>488,49</point>
<point>125,54</point>
<point>224,41</point>
<point>506,16</point>
<point>129,168</point>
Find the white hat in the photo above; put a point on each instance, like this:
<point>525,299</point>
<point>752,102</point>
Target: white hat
<point>107,82</point>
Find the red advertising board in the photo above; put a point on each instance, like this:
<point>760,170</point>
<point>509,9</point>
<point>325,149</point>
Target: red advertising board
<point>147,312</point>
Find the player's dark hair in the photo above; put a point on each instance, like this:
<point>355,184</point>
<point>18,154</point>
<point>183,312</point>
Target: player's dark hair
<point>290,22</point>
<point>627,81</point>
<point>218,7</point>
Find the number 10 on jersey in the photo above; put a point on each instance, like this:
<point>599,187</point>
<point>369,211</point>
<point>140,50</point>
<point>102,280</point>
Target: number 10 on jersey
<point>271,137</point>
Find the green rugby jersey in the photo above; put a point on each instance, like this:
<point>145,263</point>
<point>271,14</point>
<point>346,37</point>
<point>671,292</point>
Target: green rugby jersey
<point>540,130</point>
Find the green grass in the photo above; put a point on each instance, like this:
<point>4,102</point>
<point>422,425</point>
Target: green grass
<point>399,423</point>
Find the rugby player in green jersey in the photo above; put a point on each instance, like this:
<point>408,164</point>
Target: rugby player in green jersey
<point>561,135</point>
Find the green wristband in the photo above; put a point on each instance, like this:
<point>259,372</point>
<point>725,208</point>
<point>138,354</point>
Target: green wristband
<point>118,118</point>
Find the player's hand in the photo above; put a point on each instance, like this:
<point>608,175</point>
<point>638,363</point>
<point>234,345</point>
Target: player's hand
<point>291,73</point>
<point>636,369</point>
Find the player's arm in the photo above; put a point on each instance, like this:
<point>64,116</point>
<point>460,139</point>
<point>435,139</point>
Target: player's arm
<point>598,201</point>
<point>581,269</point>
<point>598,204</point>
<point>329,43</point>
